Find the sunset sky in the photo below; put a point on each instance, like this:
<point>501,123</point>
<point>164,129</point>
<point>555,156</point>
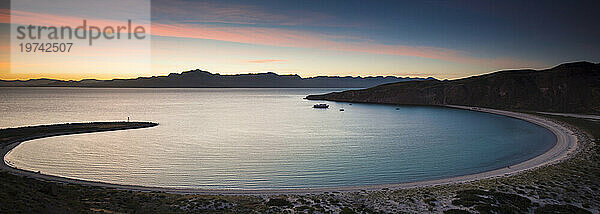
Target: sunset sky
<point>349,38</point>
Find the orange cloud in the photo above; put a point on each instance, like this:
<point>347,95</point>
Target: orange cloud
<point>265,60</point>
<point>4,15</point>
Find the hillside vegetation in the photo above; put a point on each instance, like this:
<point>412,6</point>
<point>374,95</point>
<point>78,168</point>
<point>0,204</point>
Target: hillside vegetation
<point>570,87</point>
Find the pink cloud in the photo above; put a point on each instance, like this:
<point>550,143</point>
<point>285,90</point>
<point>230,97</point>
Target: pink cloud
<point>300,39</point>
<point>274,37</point>
<point>265,60</point>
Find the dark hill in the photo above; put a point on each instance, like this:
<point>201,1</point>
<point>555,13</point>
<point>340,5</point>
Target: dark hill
<point>203,79</point>
<point>570,87</point>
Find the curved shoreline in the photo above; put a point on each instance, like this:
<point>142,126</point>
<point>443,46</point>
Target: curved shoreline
<point>566,145</point>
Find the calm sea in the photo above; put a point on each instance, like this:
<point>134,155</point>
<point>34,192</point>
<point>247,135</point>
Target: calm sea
<point>260,138</point>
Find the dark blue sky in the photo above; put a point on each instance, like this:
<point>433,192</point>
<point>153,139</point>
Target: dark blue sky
<point>545,30</point>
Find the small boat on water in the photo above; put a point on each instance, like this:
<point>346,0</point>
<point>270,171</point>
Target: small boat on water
<point>341,109</point>
<point>321,105</point>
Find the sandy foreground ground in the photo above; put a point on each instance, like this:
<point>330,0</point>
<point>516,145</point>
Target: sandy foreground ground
<point>566,145</point>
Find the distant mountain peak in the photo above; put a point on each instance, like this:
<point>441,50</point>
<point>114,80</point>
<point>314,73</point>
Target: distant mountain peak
<point>203,79</point>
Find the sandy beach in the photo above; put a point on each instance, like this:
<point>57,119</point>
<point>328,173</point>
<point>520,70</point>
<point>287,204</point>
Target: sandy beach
<point>566,145</point>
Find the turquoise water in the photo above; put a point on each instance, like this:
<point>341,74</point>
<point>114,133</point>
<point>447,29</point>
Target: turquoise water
<point>260,138</point>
